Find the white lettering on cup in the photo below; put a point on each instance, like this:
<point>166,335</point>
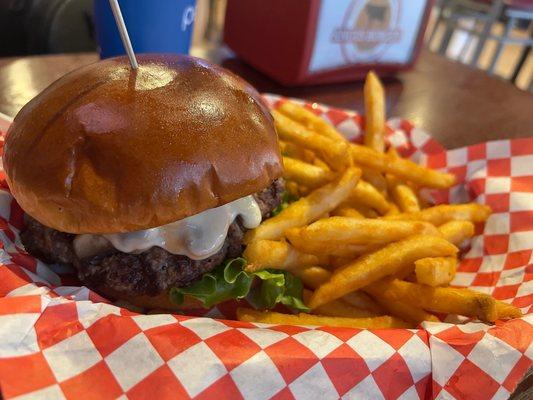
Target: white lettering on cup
<point>188,17</point>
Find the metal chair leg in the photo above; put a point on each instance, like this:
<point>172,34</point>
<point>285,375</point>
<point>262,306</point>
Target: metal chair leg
<point>521,61</point>
<point>439,19</point>
<point>495,12</point>
<point>523,58</point>
<point>448,33</point>
<point>466,48</point>
<point>501,42</point>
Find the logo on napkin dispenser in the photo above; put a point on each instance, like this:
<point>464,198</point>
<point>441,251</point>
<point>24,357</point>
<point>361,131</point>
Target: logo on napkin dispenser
<point>368,29</point>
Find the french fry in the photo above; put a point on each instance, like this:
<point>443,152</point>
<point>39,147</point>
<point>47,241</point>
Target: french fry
<point>291,150</point>
<point>405,273</point>
<point>362,300</point>
<point>292,188</point>
<point>410,313</point>
<point>443,213</point>
<point>392,152</point>
<point>308,156</point>
<point>338,261</point>
<point>404,197</point>
<point>350,212</point>
<point>349,251</point>
<point>367,195</point>
<point>435,271</point>
<point>319,163</point>
<point>457,232</point>
<point>263,254</point>
<point>413,187</point>
<point>306,174</point>
<point>506,311</point>
<point>307,209</point>
<point>312,277</point>
<point>283,146</point>
<point>393,210</point>
<point>345,230</point>
<point>401,167</point>
<point>271,317</point>
<point>374,98</point>
<point>392,181</point>
<point>411,277</point>
<point>334,152</point>
<point>445,300</point>
<point>406,312</point>
<point>374,266</point>
<point>303,190</point>
<point>376,179</point>
<point>424,198</point>
<point>366,211</point>
<point>338,308</point>
<point>325,248</point>
<point>310,120</point>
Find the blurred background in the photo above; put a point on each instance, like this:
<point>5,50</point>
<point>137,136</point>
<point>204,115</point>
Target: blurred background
<point>495,36</point>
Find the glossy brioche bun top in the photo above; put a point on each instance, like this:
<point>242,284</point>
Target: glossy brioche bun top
<point>109,149</point>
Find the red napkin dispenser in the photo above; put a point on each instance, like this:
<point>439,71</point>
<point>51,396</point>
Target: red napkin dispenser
<point>301,42</point>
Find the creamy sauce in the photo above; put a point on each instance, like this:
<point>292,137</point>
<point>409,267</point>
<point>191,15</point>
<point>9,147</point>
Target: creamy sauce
<point>197,237</point>
<point>91,245</point>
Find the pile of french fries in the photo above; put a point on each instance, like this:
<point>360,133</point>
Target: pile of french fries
<point>370,251</point>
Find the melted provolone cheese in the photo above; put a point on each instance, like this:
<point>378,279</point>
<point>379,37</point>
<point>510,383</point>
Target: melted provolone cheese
<point>197,237</point>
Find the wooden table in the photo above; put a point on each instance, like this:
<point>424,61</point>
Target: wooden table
<point>456,104</point>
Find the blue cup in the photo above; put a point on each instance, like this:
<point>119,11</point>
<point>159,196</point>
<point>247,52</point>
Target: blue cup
<point>155,26</point>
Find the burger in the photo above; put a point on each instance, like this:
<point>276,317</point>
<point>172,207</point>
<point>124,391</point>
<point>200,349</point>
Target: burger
<point>145,180</point>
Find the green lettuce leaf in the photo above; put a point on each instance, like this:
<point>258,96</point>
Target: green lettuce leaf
<point>286,199</point>
<point>230,281</point>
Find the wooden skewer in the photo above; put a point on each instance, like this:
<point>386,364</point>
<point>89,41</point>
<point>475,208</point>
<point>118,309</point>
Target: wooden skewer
<point>123,32</point>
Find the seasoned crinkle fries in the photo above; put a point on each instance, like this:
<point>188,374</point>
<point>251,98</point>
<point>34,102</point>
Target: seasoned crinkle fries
<point>369,250</point>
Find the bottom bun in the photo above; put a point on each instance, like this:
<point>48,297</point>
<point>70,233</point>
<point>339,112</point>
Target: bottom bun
<point>159,302</point>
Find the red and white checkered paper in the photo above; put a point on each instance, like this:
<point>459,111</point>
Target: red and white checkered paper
<point>60,340</point>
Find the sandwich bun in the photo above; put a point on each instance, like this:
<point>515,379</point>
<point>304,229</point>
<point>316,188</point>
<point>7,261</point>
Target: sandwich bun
<point>109,149</point>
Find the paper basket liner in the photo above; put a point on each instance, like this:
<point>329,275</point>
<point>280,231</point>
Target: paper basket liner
<point>60,340</point>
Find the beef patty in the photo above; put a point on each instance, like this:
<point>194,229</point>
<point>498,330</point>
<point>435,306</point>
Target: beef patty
<point>147,273</point>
